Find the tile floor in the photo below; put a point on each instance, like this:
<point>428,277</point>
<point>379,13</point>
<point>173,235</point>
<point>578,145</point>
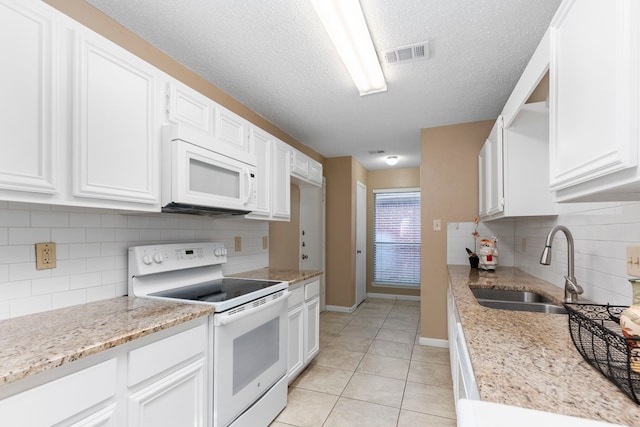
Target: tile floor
<point>371,372</point>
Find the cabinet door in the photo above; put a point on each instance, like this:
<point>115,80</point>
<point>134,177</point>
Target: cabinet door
<point>593,100</point>
<point>176,400</point>
<point>296,342</point>
<point>103,418</point>
<point>281,181</point>
<point>116,129</point>
<point>232,136</point>
<point>483,179</point>
<point>312,329</point>
<point>300,165</point>
<point>315,172</point>
<point>29,105</point>
<point>495,170</point>
<point>263,147</point>
<point>192,109</point>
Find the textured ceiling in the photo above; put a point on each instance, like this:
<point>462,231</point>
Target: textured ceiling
<point>275,57</point>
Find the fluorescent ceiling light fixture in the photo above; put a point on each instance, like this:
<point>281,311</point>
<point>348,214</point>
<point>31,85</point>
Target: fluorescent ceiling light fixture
<point>391,160</point>
<point>344,21</point>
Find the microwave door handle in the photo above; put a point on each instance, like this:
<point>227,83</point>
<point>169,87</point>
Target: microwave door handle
<point>247,175</point>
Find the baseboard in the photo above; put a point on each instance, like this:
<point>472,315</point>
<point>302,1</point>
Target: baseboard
<point>432,342</point>
<point>340,308</point>
<point>391,296</point>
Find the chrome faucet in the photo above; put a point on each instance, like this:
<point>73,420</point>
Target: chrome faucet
<point>571,287</point>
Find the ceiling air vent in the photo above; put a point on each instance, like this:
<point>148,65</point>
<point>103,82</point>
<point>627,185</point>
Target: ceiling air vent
<point>376,152</point>
<point>411,53</point>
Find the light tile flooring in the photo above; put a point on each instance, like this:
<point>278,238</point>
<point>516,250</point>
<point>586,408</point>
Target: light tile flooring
<point>371,372</point>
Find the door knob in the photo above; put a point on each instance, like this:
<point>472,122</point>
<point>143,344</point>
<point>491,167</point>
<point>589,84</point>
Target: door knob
<point>358,251</point>
<point>305,256</point>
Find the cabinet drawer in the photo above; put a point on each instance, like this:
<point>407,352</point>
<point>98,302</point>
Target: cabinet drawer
<point>312,290</point>
<point>60,399</point>
<point>147,361</point>
<point>296,297</point>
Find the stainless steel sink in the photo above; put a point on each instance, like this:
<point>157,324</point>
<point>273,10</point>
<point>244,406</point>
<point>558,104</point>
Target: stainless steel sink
<point>516,301</point>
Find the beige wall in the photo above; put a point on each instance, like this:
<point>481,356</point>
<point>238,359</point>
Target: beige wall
<point>102,24</point>
<point>449,185</point>
<point>378,179</point>
<point>341,175</point>
<point>284,237</point>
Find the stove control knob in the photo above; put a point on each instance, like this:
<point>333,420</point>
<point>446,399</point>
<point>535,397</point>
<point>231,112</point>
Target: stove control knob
<point>146,259</point>
<point>224,252</point>
<point>157,258</point>
<point>218,252</point>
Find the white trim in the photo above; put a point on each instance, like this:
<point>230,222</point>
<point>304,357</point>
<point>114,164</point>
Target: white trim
<point>391,296</point>
<point>396,285</point>
<point>433,342</point>
<point>341,309</point>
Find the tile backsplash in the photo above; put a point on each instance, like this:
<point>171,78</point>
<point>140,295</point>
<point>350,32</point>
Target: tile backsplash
<point>601,233</point>
<point>91,246</point>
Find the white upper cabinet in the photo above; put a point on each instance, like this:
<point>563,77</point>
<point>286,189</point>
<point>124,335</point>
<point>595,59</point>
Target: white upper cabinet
<point>116,126</point>
<point>274,177</point>
<point>80,114</point>
<point>594,100</point>
<point>514,161</point>
<point>193,110</point>
<point>305,170</point>
<point>30,98</point>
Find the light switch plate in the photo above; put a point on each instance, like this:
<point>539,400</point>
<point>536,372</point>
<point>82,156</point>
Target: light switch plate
<point>437,225</point>
<point>633,261</point>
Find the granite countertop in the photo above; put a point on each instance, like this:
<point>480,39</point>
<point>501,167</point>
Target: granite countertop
<point>283,275</point>
<point>42,341</point>
<point>528,359</point>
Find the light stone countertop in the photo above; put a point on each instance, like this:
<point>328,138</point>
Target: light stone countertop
<point>42,341</point>
<point>528,359</point>
<point>292,276</point>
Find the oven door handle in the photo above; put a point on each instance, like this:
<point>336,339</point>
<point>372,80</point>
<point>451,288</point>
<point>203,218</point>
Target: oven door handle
<point>226,320</point>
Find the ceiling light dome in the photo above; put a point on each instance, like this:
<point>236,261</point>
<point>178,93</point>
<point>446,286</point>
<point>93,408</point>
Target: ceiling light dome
<point>391,160</point>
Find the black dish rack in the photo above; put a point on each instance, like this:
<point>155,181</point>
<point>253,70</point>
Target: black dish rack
<point>596,333</point>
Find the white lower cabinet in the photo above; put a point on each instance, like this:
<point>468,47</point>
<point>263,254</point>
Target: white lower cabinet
<point>464,382</point>
<point>304,322</point>
<point>157,381</point>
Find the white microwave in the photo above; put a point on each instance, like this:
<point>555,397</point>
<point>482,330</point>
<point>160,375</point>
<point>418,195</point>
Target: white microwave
<point>198,180</point>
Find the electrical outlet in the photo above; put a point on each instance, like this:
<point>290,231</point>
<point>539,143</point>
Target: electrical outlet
<point>238,242</point>
<point>265,242</point>
<point>523,244</point>
<point>633,261</point>
<point>45,255</point>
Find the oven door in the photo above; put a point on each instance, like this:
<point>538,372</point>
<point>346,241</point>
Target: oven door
<point>249,356</point>
<point>193,175</point>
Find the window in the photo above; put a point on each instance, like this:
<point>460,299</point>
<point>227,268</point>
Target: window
<point>396,237</point>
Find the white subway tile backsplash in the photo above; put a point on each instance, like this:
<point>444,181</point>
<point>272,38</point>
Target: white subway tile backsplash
<point>85,280</point>
<point>91,249</point>
<point>14,218</point>
<point>84,220</point>
<point>68,298</point>
<point>84,250</point>
<point>49,219</point>
<point>101,263</point>
<point>26,236</point>
<point>49,285</point>
<point>25,271</point>
<point>101,292</point>
<point>30,305</point>
<point>68,235</point>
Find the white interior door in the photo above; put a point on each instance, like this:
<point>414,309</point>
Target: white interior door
<point>361,242</point>
<point>312,240</point>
